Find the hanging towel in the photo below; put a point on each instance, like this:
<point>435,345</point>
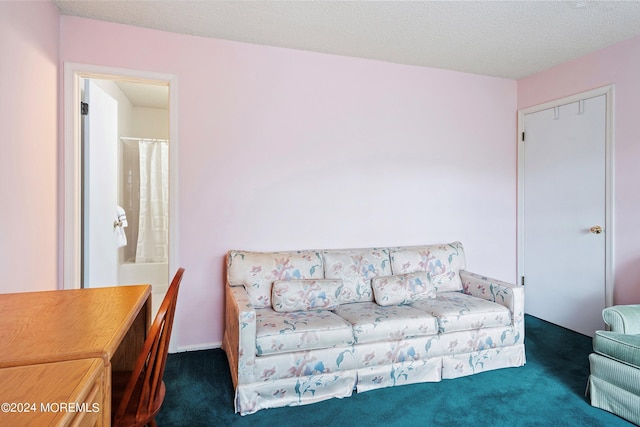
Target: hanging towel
<point>119,225</point>
<point>122,216</point>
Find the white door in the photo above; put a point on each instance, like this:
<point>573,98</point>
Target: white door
<point>100,195</point>
<point>564,204</point>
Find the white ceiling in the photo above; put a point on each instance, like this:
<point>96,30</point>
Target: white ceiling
<point>511,39</point>
<point>145,95</point>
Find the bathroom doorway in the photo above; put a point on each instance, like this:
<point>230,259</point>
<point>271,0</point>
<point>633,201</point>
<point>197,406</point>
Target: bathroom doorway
<point>125,141</point>
<point>120,138</point>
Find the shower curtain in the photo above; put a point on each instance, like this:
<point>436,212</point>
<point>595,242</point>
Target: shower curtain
<point>153,229</point>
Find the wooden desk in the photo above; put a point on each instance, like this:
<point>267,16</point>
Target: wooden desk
<point>52,326</point>
<point>53,394</point>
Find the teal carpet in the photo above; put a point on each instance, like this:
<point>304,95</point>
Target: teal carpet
<point>547,391</point>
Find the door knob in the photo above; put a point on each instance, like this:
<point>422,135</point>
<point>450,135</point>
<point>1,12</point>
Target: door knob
<point>596,229</point>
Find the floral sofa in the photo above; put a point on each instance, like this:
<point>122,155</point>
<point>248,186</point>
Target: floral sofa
<point>305,326</point>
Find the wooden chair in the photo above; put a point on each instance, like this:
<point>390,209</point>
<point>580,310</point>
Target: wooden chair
<point>138,395</point>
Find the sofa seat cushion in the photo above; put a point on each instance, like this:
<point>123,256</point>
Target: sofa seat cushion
<point>456,311</point>
<point>624,348</point>
<point>372,322</point>
<point>299,330</point>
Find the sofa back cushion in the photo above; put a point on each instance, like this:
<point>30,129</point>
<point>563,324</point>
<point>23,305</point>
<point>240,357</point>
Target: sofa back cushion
<point>305,294</point>
<point>257,271</point>
<point>402,288</point>
<point>441,262</point>
<point>356,268</point>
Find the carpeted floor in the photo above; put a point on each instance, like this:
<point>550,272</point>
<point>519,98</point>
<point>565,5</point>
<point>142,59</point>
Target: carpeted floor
<point>547,391</point>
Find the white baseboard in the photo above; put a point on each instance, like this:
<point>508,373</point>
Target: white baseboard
<point>196,347</point>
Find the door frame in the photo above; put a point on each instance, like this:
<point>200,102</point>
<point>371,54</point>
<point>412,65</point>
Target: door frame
<point>608,91</point>
<point>72,157</point>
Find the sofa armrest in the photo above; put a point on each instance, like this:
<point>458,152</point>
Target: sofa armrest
<point>623,318</point>
<point>239,340</point>
<point>503,293</point>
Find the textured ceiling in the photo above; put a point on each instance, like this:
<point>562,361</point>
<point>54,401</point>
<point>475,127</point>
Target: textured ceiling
<point>510,39</point>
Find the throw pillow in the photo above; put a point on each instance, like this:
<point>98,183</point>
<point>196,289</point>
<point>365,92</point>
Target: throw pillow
<point>305,295</point>
<point>403,288</point>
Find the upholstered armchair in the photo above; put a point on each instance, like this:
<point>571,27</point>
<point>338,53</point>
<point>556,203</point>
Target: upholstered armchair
<point>614,383</point>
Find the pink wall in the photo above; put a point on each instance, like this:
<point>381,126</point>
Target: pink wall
<point>29,151</point>
<point>618,64</point>
<point>283,149</point>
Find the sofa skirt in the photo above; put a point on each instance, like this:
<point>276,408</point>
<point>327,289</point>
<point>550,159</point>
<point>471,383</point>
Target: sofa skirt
<point>410,372</point>
<point>293,391</point>
<point>461,365</point>
<point>303,390</point>
<point>615,387</point>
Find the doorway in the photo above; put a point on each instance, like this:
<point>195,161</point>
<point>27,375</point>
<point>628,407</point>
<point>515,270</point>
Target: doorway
<point>103,167</point>
<point>125,131</point>
<point>565,225</point>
